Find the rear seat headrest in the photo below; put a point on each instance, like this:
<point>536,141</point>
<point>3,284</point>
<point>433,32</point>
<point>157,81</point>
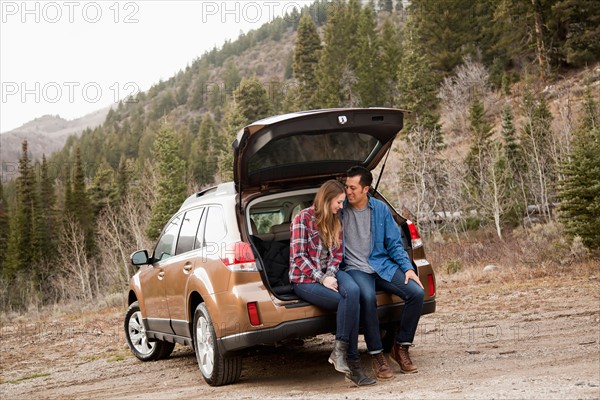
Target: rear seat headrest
<point>281,231</point>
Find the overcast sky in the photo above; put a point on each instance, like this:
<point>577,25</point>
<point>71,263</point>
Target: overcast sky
<point>70,58</point>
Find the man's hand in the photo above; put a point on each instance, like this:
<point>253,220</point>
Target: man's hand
<point>330,282</point>
<point>410,274</point>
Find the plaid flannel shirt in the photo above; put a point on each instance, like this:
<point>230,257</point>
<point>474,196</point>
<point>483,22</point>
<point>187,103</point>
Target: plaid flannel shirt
<point>306,251</point>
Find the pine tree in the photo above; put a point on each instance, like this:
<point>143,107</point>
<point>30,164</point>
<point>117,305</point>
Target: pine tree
<point>4,227</point>
<point>231,80</point>
<point>512,149</point>
<point>353,14</point>
<point>44,241</point>
<point>390,56</point>
<point>445,31</point>
<point>19,254</point>
<point>515,165</point>
<point>123,178</point>
<point>334,56</point>
<point>68,196</point>
<point>417,91</point>
<point>103,191</point>
<point>78,206</point>
<point>477,160</point>
<point>252,100</point>
<point>305,62</point>
<point>576,27</point>
<point>370,85</point>
<point>579,191</point>
<point>508,36</point>
<point>171,190</point>
<point>205,149</point>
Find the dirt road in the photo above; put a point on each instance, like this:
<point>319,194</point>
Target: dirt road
<point>531,339</point>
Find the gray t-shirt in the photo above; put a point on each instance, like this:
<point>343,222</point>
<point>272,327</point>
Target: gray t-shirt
<point>357,238</point>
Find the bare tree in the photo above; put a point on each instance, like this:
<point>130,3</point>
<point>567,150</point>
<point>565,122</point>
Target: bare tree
<point>456,93</point>
<point>75,269</point>
<point>492,197</point>
<point>348,83</point>
<point>424,173</point>
<point>120,232</point>
<point>537,137</point>
<point>564,126</point>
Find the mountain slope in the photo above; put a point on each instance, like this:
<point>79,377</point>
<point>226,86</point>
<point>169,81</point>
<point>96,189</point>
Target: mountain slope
<point>45,135</point>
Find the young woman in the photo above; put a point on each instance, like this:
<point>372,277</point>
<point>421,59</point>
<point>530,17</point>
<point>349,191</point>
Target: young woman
<point>315,256</point>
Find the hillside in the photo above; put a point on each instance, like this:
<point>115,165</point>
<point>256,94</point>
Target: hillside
<point>45,135</point>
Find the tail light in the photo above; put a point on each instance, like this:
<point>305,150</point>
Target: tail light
<point>431,284</point>
<point>253,313</point>
<point>415,238</point>
<point>239,257</point>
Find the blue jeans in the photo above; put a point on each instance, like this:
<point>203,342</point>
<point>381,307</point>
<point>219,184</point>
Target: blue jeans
<point>345,303</point>
<point>411,293</point>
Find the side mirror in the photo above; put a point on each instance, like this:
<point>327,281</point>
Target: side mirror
<point>140,257</point>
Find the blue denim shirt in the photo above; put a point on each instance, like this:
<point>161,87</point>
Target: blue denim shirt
<point>387,252</point>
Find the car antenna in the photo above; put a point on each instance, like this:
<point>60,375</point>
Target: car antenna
<point>382,168</point>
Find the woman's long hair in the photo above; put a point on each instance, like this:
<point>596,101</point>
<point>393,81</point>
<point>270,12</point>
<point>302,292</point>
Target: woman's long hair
<point>329,224</point>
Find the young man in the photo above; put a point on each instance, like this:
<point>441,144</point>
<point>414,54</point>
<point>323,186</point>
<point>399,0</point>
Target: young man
<point>375,258</point>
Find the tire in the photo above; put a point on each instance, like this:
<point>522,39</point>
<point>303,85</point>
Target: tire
<point>137,340</point>
<point>216,368</point>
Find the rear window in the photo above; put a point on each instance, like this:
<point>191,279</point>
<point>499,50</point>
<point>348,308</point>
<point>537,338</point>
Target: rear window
<point>263,221</point>
<point>298,149</point>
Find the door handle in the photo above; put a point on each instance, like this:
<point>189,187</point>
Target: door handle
<point>161,275</point>
<point>187,267</point>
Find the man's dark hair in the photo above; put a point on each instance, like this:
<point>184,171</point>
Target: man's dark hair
<point>366,178</point>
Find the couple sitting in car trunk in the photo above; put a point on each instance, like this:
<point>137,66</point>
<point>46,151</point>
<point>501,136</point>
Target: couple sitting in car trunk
<point>343,275</point>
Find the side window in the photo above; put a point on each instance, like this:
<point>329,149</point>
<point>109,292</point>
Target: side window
<point>215,226</point>
<point>200,233</point>
<point>165,247</point>
<point>189,229</point>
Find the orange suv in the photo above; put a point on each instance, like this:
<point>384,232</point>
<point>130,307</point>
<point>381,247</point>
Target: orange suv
<point>217,279</point>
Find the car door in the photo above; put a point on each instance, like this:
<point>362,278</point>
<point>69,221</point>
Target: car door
<point>178,272</point>
<point>153,277</point>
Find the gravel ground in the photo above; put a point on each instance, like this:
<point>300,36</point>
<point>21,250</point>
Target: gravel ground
<point>532,339</point>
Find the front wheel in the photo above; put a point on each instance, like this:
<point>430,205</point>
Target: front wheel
<point>137,340</point>
<point>216,368</point>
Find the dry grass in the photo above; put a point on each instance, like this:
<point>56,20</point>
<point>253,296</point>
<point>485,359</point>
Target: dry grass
<point>73,311</point>
<point>537,252</point>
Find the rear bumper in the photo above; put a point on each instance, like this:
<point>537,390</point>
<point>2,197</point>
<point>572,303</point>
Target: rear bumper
<point>306,327</point>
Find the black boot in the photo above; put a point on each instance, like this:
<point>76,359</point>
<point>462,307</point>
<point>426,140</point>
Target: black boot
<point>338,357</point>
<point>357,376</point>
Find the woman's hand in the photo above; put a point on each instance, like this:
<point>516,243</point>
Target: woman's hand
<point>330,282</point>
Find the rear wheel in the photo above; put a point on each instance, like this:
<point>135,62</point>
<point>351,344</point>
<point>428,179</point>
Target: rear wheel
<point>137,340</point>
<point>216,368</point>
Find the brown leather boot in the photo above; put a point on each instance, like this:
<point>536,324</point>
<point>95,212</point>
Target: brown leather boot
<point>400,355</point>
<point>380,366</point>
